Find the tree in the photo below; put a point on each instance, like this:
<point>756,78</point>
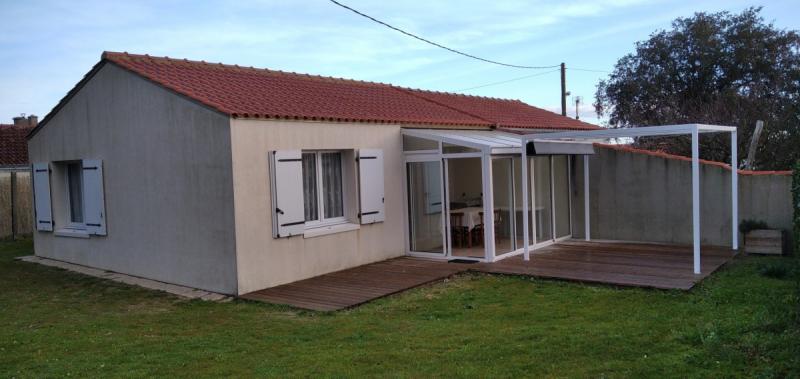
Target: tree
<point>717,68</point>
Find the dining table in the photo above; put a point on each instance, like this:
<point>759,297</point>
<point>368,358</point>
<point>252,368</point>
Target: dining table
<point>472,216</point>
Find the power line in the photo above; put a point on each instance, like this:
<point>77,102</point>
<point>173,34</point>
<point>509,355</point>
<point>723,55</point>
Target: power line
<point>509,80</point>
<point>436,44</point>
<point>588,70</point>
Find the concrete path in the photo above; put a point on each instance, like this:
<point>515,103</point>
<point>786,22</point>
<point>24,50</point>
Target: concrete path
<point>187,292</point>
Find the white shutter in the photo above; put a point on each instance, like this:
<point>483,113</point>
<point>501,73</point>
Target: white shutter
<point>41,197</point>
<point>370,180</point>
<point>286,174</point>
<point>94,208</point>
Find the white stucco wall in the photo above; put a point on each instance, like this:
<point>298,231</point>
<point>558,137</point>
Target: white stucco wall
<point>168,182</point>
<point>263,261</point>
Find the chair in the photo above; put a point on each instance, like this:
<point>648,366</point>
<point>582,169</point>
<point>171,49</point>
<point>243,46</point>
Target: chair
<point>478,235</point>
<point>460,234</point>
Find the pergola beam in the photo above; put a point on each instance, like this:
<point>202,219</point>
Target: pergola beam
<point>644,131</point>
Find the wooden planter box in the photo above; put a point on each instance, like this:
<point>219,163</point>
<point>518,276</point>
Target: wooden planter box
<point>765,241</point>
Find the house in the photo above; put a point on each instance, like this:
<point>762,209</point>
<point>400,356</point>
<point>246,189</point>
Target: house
<point>16,199</point>
<point>13,144</point>
<point>234,179</point>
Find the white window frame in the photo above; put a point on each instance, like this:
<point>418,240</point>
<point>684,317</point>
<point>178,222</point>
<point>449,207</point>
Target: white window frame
<point>321,221</point>
<point>72,224</point>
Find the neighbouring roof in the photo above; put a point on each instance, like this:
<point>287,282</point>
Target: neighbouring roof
<point>13,145</point>
<point>246,92</point>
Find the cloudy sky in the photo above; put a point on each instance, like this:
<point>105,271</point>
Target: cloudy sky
<point>47,46</point>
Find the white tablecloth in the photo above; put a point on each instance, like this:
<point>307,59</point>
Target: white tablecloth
<point>471,218</point>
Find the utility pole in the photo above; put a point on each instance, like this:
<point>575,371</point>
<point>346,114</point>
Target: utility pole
<point>563,89</point>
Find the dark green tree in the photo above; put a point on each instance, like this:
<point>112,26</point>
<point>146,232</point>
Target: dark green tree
<point>712,68</point>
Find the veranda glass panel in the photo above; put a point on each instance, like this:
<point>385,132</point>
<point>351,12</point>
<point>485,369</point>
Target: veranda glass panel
<point>504,212</point>
<point>425,210</point>
<point>561,194</point>
<point>415,144</point>
<point>543,210</point>
<point>453,149</point>
<point>518,224</point>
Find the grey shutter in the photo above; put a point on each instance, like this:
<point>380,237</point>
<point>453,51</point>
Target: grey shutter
<point>370,185</point>
<point>286,177</point>
<point>94,208</point>
<point>41,197</point>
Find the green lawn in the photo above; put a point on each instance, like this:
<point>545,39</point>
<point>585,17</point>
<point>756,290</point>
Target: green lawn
<point>739,323</point>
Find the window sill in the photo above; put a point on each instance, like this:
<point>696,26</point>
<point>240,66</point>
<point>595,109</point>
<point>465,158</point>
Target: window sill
<point>331,229</point>
<point>74,233</point>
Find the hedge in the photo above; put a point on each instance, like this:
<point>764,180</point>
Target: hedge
<point>796,201</point>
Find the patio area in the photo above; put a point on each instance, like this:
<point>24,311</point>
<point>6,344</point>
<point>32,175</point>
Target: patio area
<point>647,265</point>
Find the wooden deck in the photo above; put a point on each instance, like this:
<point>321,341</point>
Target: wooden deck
<point>348,288</point>
<point>615,263</point>
<point>625,264</point>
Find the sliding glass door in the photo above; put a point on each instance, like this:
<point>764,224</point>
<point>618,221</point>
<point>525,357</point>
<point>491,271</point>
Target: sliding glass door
<point>425,207</point>
<point>504,207</point>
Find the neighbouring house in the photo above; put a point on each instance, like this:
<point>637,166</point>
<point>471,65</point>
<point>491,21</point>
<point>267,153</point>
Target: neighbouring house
<point>16,199</point>
<point>13,144</point>
<point>234,179</point>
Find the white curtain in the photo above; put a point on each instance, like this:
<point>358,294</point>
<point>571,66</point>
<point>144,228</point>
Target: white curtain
<point>332,184</point>
<point>310,186</point>
<point>74,175</point>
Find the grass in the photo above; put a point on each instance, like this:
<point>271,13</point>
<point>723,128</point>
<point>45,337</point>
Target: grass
<point>738,323</point>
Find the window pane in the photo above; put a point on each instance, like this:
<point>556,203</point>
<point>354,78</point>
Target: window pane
<point>74,178</point>
<point>332,184</point>
<point>310,186</point>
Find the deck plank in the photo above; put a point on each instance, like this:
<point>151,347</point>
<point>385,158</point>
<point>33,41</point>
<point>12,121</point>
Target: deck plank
<point>625,264</point>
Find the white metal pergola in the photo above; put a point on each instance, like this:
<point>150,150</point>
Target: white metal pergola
<point>666,130</point>
<point>487,143</point>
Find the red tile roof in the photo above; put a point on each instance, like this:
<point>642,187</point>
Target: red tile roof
<point>244,92</point>
<point>13,145</point>
<point>664,155</point>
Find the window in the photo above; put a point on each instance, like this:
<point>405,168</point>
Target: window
<point>323,197</point>
<point>75,192</point>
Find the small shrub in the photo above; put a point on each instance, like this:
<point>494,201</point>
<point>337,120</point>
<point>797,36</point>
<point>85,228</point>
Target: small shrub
<point>774,270</point>
<point>748,225</point>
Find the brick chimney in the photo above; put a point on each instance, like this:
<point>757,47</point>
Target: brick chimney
<point>26,122</point>
<point>20,121</point>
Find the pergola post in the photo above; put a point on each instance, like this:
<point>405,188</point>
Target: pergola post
<point>734,192</point>
<point>525,238</point>
<point>586,223</point>
<point>696,199</point>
